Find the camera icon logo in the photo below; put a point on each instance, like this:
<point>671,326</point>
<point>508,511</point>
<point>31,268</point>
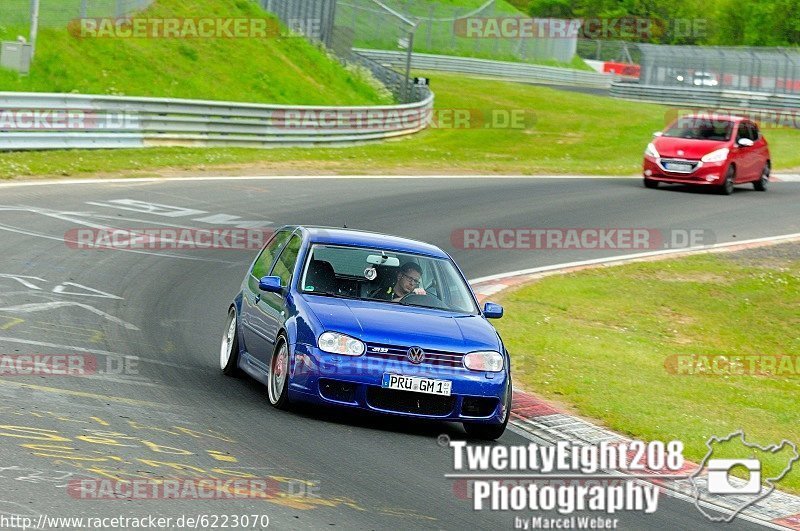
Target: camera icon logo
<point>719,477</point>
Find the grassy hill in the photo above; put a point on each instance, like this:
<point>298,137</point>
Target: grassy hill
<point>270,70</point>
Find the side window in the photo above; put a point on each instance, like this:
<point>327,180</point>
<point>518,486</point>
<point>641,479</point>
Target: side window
<point>753,132</point>
<point>284,267</point>
<point>267,257</point>
<point>742,131</point>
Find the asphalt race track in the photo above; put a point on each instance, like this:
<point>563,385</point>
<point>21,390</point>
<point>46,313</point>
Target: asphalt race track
<point>174,414</point>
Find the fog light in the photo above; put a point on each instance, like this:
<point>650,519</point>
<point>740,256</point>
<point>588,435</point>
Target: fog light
<point>710,178</point>
<point>648,172</point>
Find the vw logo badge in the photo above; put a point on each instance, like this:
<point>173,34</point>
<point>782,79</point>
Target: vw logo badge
<point>416,355</point>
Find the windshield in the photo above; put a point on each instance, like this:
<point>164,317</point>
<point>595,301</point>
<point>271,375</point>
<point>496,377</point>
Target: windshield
<point>388,276</point>
<point>701,129</point>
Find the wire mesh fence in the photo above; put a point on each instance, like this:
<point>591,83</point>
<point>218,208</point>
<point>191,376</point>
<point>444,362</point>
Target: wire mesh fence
<point>608,50</point>
<point>773,70</point>
<point>58,13</point>
<point>321,20</point>
<point>441,28</point>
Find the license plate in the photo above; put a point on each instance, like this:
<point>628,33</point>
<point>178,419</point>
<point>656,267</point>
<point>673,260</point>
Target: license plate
<point>416,384</point>
<point>673,166</point>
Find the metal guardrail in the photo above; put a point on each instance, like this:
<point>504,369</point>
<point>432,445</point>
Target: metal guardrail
<point>64,121</point>
<point>708,97</point>
<point>495,69</point>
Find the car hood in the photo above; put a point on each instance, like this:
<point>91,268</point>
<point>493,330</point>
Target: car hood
<point>668,147</point>
<point>397,325</point>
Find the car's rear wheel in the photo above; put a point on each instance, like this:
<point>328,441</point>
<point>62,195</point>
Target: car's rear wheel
<point>730,177</point>
<point>229,349</point>
<point>490,432</point>
<point>763,182</point>
<point>278,380</point>
<point>650,183</point>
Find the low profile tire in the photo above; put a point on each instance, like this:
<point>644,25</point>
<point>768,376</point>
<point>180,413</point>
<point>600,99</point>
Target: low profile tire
<point>229,350</point>
<point>650,183</point>
<point>763,182</point>
<point>727,186</point>
<point>489,432</point>
<point>278,380</point>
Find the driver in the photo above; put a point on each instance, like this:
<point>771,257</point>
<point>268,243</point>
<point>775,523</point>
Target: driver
<point>409,278</point>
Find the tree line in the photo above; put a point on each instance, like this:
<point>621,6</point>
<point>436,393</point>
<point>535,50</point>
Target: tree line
<point>714,22</point>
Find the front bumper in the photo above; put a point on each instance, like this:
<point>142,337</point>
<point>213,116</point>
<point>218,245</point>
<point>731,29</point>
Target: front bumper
<point>320,377</point>
<point>706,173</point>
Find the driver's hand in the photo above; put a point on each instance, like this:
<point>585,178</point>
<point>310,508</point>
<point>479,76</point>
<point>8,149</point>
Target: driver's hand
<point>420,291</point>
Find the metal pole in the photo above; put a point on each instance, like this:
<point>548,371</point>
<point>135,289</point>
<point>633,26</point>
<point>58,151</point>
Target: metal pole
<point>409,53</point>
<point>34,25</point>
<point>84,8</point>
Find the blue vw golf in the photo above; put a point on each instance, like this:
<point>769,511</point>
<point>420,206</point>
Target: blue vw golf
<point>369,321</point>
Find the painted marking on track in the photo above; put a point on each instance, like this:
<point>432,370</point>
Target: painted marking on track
<point>26,232</point>
<point>24,280</point>
<point>220,456</point>
<point>93,292</point>
<point>12,321</point>
<point>172,211</point>
<point>47,306</point>
<point>83,394</point>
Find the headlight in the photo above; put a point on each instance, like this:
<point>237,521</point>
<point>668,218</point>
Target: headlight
<point>337,343</point>
<point>488,360</point>
<point>651,151</point>
<point>716,156</point>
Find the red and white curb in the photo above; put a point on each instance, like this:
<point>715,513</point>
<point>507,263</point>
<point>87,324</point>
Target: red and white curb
<point>534,416</point>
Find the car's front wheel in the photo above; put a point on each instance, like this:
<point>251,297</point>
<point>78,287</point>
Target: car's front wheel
<point>650,183</point>
<point>730,177</point>
<point>763,182</point>
<point>490,432</point>
<point>278,380</point>
<point>229,349</point>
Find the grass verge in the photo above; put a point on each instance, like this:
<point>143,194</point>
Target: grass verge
<point>607,341</point>
<point>272,69</point>
<point>570,133</point>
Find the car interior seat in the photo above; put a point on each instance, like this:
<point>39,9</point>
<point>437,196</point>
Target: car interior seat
<point>321,277</point>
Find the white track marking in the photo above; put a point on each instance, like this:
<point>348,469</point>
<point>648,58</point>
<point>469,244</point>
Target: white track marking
<point>61,288</point>
<point>137,180</point>
<point>35,307</point>
<point>611,259</point>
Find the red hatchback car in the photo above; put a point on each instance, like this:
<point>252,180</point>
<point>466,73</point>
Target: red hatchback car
<point>709,150</point>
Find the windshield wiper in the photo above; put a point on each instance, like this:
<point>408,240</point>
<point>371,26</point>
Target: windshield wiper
<point>330,294</point>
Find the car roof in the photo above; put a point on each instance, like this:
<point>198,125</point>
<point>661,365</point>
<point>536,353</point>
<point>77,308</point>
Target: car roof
<point>714,116</point>
<point>360,238</point>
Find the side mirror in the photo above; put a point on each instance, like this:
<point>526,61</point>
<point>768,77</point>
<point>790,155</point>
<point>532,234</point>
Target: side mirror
<point>492,310</point>
<point>658,133</point>
<point>745,142</point>
<point>270,284</point>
